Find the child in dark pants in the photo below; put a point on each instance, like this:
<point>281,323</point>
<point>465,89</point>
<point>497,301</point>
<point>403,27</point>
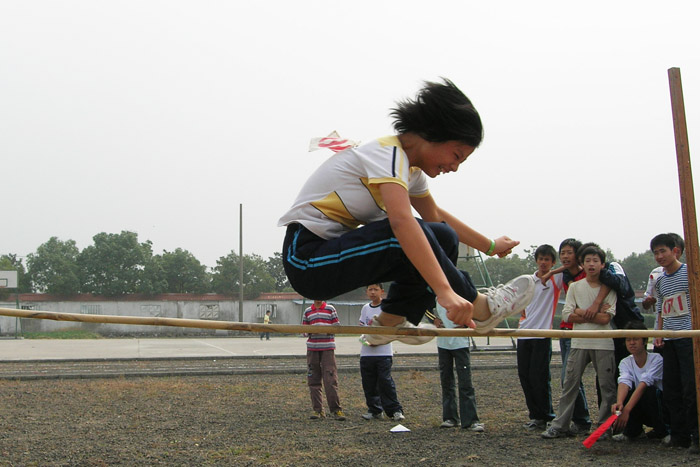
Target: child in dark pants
<point>673,306</point>
<point>453,356</point>
<point>535,354</point>
<point>375,367</point>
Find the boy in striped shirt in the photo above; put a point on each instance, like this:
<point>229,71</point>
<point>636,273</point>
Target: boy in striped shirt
<point>320,358</point>
<point>673,305</point>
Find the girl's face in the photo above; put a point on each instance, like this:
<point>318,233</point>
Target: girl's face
<point>439,158</point>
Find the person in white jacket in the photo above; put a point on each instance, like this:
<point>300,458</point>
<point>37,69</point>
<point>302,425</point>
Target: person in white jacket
<point>638,389</point>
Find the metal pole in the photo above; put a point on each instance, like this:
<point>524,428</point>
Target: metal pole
<point>17,321</point>
<point>690,224</point>
<point>240,263</point>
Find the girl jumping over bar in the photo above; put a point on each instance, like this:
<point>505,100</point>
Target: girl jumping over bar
<point>352,223</point>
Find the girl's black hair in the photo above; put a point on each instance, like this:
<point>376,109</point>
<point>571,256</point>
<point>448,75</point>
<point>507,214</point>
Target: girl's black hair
<point>439,113</point>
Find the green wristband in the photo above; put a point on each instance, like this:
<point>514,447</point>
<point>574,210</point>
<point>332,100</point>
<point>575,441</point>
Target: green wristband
<point>493,247</point>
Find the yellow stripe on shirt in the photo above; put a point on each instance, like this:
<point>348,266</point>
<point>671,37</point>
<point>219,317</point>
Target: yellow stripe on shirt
<point>332,207</point>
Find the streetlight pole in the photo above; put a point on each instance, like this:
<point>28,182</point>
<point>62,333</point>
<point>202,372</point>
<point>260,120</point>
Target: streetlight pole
<point>240,264</point>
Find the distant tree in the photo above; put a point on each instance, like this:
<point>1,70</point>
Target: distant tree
<point>276,270</point>
<point>499,270</point>
<point>53,268</point>
<point>637,266</point>
<point>502,270</point>
<point>256,278</point>
<point>152,279</point>
<point>117,264</point>
<point>183,272</point>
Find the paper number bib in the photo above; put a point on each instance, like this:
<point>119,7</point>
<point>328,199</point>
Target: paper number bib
<point>675,305</point>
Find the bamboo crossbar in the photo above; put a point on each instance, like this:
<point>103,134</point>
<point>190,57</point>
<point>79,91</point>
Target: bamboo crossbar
<point>300,329</point>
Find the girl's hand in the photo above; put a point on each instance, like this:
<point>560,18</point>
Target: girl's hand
<point>459,310</point>
<point>504,246</point>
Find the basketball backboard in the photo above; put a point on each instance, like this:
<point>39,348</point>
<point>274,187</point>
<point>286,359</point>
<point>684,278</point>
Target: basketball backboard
<point>8,279</point>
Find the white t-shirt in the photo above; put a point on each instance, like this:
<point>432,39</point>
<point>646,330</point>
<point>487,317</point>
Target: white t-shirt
<point>343,193</point>
<point>539,314</point>
<point>451,342</point>
<point>366,315</point>
<point>582,295</point>
<point>651,289</point>
<point>651,373</point>
<point>653,277</point>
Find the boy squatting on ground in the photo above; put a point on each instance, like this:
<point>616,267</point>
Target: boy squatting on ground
<point>320,358</point>
<point>673,306</point>
<point>535,353</point>
<point>453,356</point>
<point>375,367</point>
<point>352,223</point>
<point>600,352</point>
<point>638,388</point>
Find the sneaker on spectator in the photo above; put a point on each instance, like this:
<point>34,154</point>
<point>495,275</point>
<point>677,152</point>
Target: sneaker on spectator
<point>505,300</point>
<point>624,438</point>
<point>579,429</point>
<point>476,427</point>
<point>373,416</point>
<point>671,442</point>
<point>449,423</point>
<point>338,415</point>
<point>398,416</point>
<point>551,433</point>
<point>535,425</point>
<point>381,339</point>
<point>316,415</point>
<point>666,441</point>
<point>653,434</point>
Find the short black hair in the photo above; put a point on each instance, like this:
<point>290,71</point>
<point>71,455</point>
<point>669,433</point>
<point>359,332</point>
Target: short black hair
<point>546,250</point>
<point>439,113</point>
<point>638,326</point>
<point>680,243</point>
<point>378,284</point>
<point>664,239</point>
<point>591,249</point>
<point>572,242</point>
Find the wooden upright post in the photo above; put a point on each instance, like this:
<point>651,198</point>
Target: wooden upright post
<point>690,224</point>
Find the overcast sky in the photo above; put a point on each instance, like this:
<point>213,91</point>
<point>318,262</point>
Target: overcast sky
<point>162,117</point>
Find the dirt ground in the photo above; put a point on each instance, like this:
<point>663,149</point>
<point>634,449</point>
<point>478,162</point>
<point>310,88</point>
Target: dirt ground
<point>263,420</point>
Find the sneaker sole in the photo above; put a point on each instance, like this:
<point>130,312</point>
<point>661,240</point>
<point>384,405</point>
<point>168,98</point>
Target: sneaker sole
<point>482,327</point>
<point>383,339</point>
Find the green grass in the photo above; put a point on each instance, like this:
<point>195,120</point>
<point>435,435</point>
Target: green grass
<point>62,334</point>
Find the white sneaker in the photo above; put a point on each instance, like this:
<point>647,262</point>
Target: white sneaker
<point>449,423</point>
<point>373,416</point>
<point>398,416</point>
<point>476,427</point>
<point>381,339</point>
<point>505,300</point>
